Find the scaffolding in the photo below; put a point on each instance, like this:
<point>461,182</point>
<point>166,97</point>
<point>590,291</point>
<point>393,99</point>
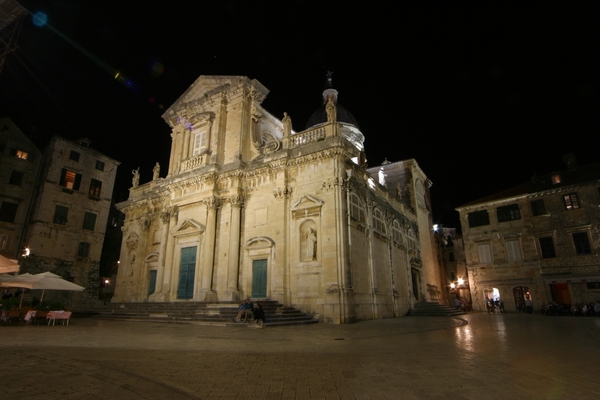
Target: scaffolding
<point>11,19</point>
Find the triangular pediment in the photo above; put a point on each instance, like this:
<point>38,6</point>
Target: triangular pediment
<point>307,206</point>
<point>132,237</point>
<point>206,87</point>
<point>307,201</point>
<point>188,227</point>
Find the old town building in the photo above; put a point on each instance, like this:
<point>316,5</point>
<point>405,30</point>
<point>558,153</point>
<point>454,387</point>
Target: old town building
<point>68,219</point>
<point>19,166</point>
<point>538,241</point>
<point>251,208</point>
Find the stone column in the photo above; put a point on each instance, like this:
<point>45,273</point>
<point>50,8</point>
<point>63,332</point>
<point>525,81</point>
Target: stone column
<point>172,156</point>
<point>206,292</point>
<point>370,206</point>
<point>187,137</point>
<point>162,291</point>
<point>234,248</point>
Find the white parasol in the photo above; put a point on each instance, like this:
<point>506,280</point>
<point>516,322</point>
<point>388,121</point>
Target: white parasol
<point>44,281</point>
<point>8,265</point>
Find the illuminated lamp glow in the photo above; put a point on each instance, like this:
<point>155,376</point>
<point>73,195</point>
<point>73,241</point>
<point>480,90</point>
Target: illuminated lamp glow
<point>435,227</point>
<point>452,285</point>
<point>461,281</point>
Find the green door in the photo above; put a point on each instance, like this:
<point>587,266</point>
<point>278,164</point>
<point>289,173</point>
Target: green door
<point>187,273</point>
<point>259,278</point>
<point>152,284</point>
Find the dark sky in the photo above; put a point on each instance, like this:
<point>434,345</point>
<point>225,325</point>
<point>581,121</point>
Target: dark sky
<point>482,94</point>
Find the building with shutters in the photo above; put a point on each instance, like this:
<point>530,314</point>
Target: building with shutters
<point>19,167</point>
<point>67,223</point>
<point>539,240</point>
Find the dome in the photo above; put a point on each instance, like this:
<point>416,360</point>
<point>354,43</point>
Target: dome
<point>320,115</point>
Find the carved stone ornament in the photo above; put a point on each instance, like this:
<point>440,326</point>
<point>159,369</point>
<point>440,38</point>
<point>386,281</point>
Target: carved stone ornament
<point>144,223</point>
<point>284,192</point>
<point>212,203</point>
<point>331,183</point>
<point>236,201</point>
<point>270,144</point>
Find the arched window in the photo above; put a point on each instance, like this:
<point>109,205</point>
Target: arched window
<point>397,232</point>
<point>357,210</point>
<point>412,240</point>
<point>379,221</point>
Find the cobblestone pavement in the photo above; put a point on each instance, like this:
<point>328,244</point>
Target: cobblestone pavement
<point>509,356</point>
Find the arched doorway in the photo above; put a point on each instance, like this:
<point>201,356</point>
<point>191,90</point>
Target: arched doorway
<point>521,294</point>
<point>492,300</point>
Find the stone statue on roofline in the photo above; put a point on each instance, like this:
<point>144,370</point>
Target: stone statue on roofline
<point>331,110</point>
<point>287,125</point>
<point>156,172</point>
<point>135,181</point>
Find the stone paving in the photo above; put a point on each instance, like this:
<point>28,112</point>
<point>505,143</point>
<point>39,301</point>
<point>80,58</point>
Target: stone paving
<point>508,356</point>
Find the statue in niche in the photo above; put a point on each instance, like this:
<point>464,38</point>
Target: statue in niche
<point>311,245</point>
<point>287,124</point>
<point>136,177</point>
<point>331,110</point>
<point>156,172</point>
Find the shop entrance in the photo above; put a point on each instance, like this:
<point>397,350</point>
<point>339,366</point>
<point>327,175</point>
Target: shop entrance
<point>521,293</point>
<point>560,293</point>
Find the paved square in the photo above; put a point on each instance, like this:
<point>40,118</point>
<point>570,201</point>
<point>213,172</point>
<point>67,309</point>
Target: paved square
<point>481,356</point>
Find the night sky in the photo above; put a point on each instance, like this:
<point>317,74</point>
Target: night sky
<point>481,94</point>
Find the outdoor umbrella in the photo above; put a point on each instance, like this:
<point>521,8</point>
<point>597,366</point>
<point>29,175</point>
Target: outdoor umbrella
<point>44,281</point>
<point>8,265</point>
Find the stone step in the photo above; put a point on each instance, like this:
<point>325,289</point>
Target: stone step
<point>219,314</point>
<point>433,309</point>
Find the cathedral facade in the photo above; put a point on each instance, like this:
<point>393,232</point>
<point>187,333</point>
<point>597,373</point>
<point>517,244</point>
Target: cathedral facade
<point>252,208</point>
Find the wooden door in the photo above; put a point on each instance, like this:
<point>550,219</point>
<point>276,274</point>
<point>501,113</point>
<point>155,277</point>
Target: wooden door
<point>259,278</point>
<point>187,273</point>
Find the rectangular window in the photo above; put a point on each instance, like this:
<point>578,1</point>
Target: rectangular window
<point>70,180</point>
<point>3,242</point>
<point>84,250</point>
<point>74,155</point>
<point>199,142</point>
<point>513,251</point>
<point>571,202</point>
<point>16,178</point>
<point>485,253</point>
<point>582,243</point>
<point>22,154</point>
<point>478,218</point>
<point>508,213</point>
<point>60,215</point>
<point>538,207</point>
<point>8,211</point>
<point>593,285</point>
<point>547,247</point>
<point>95,188</point>
<point>99,165</point>
<point>89,221</point>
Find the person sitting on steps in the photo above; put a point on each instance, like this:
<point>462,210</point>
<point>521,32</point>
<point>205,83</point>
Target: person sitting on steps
<point>245,309</point>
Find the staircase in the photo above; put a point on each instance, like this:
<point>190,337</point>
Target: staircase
<point>430,309</point>
<point>217,314</point>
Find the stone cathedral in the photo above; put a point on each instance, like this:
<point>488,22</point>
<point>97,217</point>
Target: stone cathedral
<point>252,208</point>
